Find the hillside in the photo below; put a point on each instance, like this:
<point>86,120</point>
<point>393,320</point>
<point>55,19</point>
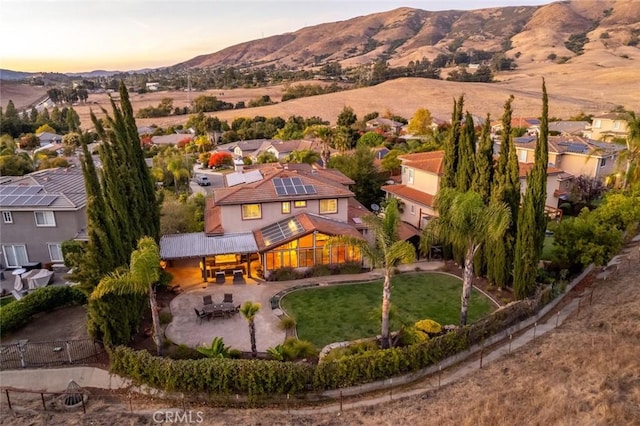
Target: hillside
<point>405,34</point>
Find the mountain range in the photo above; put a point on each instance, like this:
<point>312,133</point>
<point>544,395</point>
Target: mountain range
<point>399,36</point>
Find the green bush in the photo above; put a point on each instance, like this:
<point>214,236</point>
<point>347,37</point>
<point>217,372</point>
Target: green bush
<point>350,268</point>
<point>284,274</point>
<point>17,314</point>
<point>428,326</point>
<point>184,352</point>
<point>217,375</point>
<point>319,271</point>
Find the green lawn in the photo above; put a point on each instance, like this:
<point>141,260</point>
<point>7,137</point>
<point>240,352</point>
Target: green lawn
<point>6,300</point>
<point>352,311</point>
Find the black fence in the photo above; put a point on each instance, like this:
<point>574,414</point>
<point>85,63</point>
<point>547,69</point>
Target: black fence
<point>26,354</point>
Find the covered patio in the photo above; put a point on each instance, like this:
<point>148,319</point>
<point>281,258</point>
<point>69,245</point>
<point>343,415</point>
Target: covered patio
<point>225,259</point>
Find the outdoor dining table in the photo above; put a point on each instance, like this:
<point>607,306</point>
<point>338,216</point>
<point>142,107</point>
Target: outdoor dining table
<point>224,307</point>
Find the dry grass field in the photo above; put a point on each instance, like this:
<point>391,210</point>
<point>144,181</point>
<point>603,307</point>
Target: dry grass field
<point>586,372</point>
<point>21,94</point>
<point>596,82</point>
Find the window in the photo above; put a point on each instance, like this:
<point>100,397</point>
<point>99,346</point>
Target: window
<point>596,124</point>
<point>329,206</point>
<point>412,209</point>
<point>410,179</point>
<point>299,204</point>
<point>603,162</point>
<point>286,207</point>
<point>55,252</point>
<point>15,255</point>
<point>522,156</point>
<point>7,217</point>
<point>616,125</point>
<point>251,211</point>
<point>45,219</point>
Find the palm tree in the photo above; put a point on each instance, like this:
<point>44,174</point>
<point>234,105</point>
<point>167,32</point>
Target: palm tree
<point>249,310</point>
<point>217,349</point>
<point>325,133</point>
<point>304,156</point>
<point>466,223</point>
<point>143,273</point>
<point>388,251</point>
<point>632,155</point>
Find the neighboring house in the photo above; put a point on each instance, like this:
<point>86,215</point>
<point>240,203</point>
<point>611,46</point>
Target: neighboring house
<point>47,138</point>
<point>530,123</point>
<point>279,215</point>
<point>559,184</point>
<point>421,174</point>
<point>40,211</point>
<point>250,148</point>
<point>153,86</point>
<point>607,127</point>
<point>568,128</point>
<point>172,139</point>
<point>146,130</point>
<point>281,149</point>
<point>386,125</point>
<point>573,154</point>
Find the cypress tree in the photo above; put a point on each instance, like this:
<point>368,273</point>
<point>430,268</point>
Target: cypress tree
<point>450,165</point>
<point>532,220</point>
<point>466,156</point>
<point>505,188</point>
<point>483,177</point>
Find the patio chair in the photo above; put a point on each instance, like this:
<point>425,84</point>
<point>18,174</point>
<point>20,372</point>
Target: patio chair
<point>218,313</point>
<point>207,300</point>
<point>228,298</point>
<point>202,314</point>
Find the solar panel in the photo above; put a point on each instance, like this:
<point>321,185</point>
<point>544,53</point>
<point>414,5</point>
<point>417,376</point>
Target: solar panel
<point>39,200</point>
<point>20,189</point>
<point>252,176</point>
<point>235,178</point>
<point>292,186</point>
<point>281,231</point>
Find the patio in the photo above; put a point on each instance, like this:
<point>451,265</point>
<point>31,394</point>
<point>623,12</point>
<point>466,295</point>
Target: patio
<point>186,328</point>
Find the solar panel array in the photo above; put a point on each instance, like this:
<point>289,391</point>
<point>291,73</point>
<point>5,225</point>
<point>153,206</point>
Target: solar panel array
<point>236,178</point>
<point>25,196</point>
<point>281,231</point>
<point>292,186</point>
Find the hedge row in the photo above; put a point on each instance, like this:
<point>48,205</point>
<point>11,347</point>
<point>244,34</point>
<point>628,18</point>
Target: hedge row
<point>17,314</point>
<point>215,375</point>
<point>273,377</point>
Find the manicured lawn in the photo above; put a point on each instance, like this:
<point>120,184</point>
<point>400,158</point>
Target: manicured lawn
<point>352,311</point>
<point>6,300</point>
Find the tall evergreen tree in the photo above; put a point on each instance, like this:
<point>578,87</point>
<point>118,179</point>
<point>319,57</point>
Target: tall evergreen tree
<point>450,165</point>
<point>505,188</point>
<point>122,206</point>
<point>483,177</point>
<point>466,156</point>
<point>532,220</point>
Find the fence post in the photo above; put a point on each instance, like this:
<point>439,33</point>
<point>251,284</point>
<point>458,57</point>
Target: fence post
<point>68,352</point>
<point>22,348</point>
<point>8,399</point>
<point>510,339</point>
<point>439,374</point>
<point>95,351</point>
<point>43,403</point>
<point>341,401</point>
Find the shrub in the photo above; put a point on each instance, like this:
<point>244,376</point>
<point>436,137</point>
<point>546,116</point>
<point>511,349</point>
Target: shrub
<point>350,268</point>
<point>287,323</point>
<point>353,349</point>
<point>428,326</point>
<point>185,352</point>
<point>411,335</point>
<point>283,274</point>
<point>116,319</point>
<point>217,349</point>
<point>219,375</point>
<point>319,271</point>
<point>17,314</point>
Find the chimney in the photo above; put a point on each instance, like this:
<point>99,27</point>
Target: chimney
<point>238,165</point>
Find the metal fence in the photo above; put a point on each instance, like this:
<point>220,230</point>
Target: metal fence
<point>26,354</point>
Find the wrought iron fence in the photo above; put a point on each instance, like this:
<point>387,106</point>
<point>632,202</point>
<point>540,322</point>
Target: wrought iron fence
<point>26,354</point>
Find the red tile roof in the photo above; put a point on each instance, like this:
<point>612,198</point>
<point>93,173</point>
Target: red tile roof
<point>406,231</point>
<point>525,168</point>
<point>212,218</point>
<point>427,161</point>
<point>403,191</point>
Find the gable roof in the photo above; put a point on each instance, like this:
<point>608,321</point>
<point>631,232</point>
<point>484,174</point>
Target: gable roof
<point>172,139</point>
<point>432,162</point>
<point>48,136</point>
<point>66,185</point>
<point>564,144</point>
<point>264,190</point>
<point>525,168</point>
<point>198,244</point>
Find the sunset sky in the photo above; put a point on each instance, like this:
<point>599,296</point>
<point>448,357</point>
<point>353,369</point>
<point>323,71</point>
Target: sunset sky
<point>77,36</point>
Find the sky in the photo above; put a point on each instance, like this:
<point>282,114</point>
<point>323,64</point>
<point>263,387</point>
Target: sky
<point>123,35</point>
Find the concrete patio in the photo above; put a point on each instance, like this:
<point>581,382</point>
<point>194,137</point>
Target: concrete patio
<point>186,328</point>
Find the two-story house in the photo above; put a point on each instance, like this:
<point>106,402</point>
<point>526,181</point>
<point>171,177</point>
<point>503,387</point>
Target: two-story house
<point>574,155</point>
<point>607,127</point>
<point>274,216</point>
<point>40,211</point>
